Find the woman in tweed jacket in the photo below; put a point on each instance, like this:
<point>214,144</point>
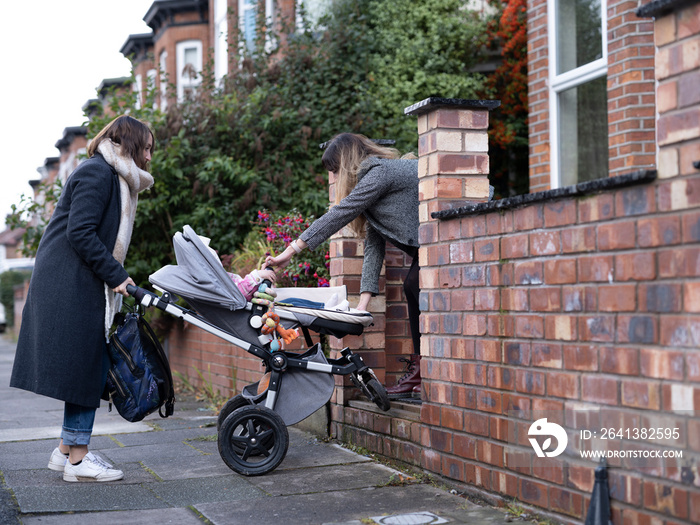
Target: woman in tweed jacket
<point>377,195</point>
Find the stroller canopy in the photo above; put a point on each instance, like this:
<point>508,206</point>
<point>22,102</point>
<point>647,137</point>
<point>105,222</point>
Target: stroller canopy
<point>199,274</point>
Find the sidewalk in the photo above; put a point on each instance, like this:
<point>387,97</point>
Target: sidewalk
<point>174,474</point>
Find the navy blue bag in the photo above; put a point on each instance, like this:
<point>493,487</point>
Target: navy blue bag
<point>139,381</point>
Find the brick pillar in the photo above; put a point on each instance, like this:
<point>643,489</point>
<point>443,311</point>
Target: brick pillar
<point>453,167</point>
<point>631,90</point>
<point>453,150</point>
<point>677,37</point>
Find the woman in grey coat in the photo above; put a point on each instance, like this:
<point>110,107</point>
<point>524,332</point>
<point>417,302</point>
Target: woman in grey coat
<point>377,194</point>
<point>73,293</point>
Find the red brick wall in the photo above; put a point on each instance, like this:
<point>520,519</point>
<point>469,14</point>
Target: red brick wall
<point>568,304</point>
<point>225,367</point>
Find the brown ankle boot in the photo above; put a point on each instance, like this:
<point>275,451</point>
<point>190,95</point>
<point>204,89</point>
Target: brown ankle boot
<point>410,379</point>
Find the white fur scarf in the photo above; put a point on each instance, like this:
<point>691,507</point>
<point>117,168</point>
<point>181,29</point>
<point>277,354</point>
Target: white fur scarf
<point>132,181</point>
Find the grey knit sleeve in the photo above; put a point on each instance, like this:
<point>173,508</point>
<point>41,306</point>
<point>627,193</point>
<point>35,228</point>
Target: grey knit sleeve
<point>375,247</point>
<point>363,196</point>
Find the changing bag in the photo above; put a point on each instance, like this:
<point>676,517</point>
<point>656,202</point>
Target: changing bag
<point>139,380</point>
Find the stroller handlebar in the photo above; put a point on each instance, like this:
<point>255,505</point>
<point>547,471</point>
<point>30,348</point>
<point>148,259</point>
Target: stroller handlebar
<point>136,292</point>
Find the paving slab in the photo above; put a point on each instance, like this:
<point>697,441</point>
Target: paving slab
<point>75,497</point>
<point>306,453</point>
<point>345,506</point>
<point>194,467</point>
<point>324,479</point>
<point>129,517</point>
<point>193,491</point>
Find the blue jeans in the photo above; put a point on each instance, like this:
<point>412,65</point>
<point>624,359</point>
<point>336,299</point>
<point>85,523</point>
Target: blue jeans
<point>297,301</point>
<point>79,420</point>
<point>77,424</point>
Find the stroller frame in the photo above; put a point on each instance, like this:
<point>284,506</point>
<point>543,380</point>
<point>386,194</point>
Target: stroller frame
<point>252,437</point>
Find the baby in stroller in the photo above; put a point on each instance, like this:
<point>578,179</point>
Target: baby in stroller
<point>249,285</point>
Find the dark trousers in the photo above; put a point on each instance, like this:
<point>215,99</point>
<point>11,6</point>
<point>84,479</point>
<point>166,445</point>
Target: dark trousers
<point>411,287</point>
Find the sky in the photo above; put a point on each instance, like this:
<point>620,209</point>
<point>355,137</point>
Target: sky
<point>56,54</point>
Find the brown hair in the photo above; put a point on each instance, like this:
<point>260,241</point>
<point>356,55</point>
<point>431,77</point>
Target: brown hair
<point>130,133</point>
<point>343,157</point>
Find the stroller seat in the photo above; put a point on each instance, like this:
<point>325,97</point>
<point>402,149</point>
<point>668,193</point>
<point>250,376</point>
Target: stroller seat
<point>200,279</point>
<point>321,320</point>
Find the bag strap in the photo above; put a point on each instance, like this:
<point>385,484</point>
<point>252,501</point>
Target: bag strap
<point>170,401</point>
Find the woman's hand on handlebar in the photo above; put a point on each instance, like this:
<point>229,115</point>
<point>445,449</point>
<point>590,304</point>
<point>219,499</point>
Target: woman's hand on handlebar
<point>122,287</point>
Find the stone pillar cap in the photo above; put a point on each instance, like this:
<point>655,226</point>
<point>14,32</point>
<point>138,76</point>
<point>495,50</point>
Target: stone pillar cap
<point>433,103</point>
<point>659,8</point>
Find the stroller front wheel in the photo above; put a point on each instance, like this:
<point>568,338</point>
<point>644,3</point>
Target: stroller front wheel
<point>370,386</point>
<point>230,407</point>
<point>253,440</point>
<point>378,394</point>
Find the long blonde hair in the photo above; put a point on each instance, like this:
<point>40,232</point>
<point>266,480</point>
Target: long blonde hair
<point>343,157</point>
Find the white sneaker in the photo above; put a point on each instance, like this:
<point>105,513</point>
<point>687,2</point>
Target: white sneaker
<point>58,460</point>
<point>91,468</point>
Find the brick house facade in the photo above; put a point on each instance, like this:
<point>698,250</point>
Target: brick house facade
<point>628,67</point>
<point>190,36</point>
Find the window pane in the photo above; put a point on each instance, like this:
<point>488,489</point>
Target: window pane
<point>583,136</point>
<point>249,28</point>
<point>579,33</point>
<point>191,56</point>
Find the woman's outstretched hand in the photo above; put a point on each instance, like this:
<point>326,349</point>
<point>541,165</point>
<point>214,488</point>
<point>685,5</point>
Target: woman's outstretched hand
<point>283,258</point>
<point>281,261</point>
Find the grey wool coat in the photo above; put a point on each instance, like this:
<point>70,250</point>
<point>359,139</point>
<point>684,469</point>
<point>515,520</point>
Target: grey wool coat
<point>61,352</point>
<point>387,194</point>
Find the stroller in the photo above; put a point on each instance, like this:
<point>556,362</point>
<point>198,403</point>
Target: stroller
<point>252,426</point>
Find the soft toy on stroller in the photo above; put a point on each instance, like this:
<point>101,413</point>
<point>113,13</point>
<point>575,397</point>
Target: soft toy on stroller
<point>253,437</point>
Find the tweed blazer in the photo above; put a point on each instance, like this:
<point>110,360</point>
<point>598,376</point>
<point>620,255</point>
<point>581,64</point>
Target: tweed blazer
<point>387,194</point>
<point>61,351</point>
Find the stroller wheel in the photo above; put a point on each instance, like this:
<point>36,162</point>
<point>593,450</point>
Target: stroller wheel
<point>372,388</point>
<point>231,406</point>
<point>377,393</point>
<point>253,440</point>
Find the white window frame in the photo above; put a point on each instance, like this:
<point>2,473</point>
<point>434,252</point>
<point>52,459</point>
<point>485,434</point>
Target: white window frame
<point>138,90</point>
<point>151,76</point>
<point>162,64</point>
<point>220,39</point>
<point>182,81</point>
<point>243,6</point>
<point>559,83</point>
<point>314,8</point>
